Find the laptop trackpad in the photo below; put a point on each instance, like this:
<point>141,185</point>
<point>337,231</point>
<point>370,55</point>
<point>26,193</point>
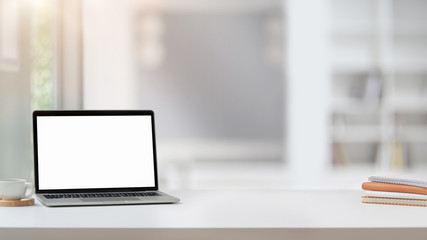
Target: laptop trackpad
<point>113,199</point>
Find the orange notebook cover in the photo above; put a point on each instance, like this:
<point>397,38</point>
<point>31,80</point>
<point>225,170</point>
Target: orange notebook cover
<point>388,187</point>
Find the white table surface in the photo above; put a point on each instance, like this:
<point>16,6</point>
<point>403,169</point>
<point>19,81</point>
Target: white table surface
<point>202,211</point>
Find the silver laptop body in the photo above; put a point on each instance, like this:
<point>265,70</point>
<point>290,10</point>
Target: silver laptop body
<point>96,157</point>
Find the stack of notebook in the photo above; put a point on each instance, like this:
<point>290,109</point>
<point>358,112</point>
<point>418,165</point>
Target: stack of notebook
<point>395,191</point>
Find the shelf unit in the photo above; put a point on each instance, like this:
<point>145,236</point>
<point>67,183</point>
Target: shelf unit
<point>379,83</point>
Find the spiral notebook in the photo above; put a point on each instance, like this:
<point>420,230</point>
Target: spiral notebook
<point>391,187</point>
<point>401,181</point>
<point>395,201</point>
<point>394,195</point>
<point>395,191</point>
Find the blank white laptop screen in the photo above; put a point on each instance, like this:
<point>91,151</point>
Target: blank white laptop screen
<point>82,152</point>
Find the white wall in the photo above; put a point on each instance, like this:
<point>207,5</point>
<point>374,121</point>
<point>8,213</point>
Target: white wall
<point>308,89</point>
<point>107,47</point>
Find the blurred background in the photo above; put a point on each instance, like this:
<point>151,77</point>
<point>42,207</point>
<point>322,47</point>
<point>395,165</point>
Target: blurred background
<point>248,94</point>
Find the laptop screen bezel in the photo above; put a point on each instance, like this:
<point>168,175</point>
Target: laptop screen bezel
<point>47,113</point>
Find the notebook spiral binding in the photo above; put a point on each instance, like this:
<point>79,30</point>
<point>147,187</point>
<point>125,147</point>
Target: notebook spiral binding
<point>410,182</point>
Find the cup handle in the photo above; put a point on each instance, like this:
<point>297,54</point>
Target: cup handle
<point>30,190</point>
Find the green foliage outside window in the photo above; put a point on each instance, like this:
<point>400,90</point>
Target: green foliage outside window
<point>41,47</point>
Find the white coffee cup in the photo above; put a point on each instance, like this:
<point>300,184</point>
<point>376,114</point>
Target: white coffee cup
<point>15,189</point>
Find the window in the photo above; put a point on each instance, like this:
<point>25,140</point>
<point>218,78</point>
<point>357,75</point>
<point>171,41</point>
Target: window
<point>41,47</point>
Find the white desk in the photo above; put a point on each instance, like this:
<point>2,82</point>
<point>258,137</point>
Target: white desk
<point>223,215</point>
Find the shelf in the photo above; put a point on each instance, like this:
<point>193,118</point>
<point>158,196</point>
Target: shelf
<point>410,28</point>
<point>366,29</point>
<point>356,134</point>
<point>410,66</point>
<point>355,106</point>
<point>414,134</point>
<point>358,31</point>
<point>402,107</point>
<point>352,68</point>
<point>419,67</point>
<point>356,139</point>
<point>354,153</point>
<point>390,36</point>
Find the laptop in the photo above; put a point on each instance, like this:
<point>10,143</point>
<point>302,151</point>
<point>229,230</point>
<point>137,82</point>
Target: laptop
<point>96,158</point>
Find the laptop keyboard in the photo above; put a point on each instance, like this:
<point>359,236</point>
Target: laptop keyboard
<point>101,195</point>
